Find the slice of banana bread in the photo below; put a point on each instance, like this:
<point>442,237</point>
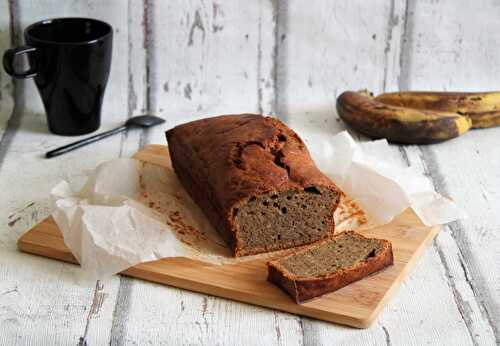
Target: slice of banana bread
<point>329,265</point>
<point>255,181</point>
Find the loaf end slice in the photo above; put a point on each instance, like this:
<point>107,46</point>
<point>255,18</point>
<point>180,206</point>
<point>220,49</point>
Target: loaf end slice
<point>329,265</point>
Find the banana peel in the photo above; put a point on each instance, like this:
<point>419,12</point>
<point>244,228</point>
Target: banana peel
<point>482,107</point>
<point>399,124</point>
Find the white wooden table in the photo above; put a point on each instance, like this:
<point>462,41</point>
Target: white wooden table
<point>187,59</point>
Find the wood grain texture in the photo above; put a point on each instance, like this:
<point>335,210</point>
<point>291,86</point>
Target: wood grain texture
<point>216,58</point>
<point>49,307</point>
<point>465,169</point>
<point>6,85</point>
<point>136,54</point>
<point>338,67</point>
<point>356,305</point>
<point>9,109</point>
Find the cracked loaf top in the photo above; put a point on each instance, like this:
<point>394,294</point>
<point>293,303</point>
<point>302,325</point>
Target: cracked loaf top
<point>225,161</point>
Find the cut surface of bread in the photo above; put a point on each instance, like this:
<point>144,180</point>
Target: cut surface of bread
<point>329,265</point>
<point>286,219</point>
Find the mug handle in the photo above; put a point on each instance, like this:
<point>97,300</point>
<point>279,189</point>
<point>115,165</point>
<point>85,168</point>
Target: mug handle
<point>8,62</point>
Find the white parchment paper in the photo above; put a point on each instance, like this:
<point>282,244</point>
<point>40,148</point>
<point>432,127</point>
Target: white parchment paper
<point>131,212</point>
<point>383,189</point>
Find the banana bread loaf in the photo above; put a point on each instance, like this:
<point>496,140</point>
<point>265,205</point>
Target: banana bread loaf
<point>254,179</point>
<point>329,265</point>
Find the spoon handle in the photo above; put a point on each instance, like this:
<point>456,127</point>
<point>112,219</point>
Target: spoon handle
<point>83,142</point>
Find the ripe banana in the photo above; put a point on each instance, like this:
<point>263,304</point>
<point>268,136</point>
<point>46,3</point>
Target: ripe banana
<point>482,107</point>
<point>398,124</point>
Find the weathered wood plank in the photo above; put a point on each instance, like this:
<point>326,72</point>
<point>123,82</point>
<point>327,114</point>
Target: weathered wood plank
<point>6,85</point>
<point>459,57</point>
<point>162,315</point>
<point>266,59</point>
<point>9,115</point>
<point>351,59</point>
<point>137,85</point>
<point>40,303</point>
<point>209,58</point>
<point>326,49</point>
<point>64,313</point>
<point>32,140</point>
<point>455,274</point>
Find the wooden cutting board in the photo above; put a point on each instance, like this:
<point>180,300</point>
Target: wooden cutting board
<point>356,305</point>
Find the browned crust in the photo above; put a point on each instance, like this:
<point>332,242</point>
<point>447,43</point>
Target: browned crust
<point>223,161</point>
<point>302,289</point>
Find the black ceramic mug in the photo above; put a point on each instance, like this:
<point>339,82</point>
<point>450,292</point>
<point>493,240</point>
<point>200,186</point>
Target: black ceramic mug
<point>69,59</point>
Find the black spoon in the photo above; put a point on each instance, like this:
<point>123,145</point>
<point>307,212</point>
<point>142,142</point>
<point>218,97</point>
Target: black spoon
<point>140,121</point>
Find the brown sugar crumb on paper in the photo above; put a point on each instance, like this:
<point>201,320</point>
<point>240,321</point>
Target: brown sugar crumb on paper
<point>186,242</point>
<point>349,215</point>
<point>162,193</point>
